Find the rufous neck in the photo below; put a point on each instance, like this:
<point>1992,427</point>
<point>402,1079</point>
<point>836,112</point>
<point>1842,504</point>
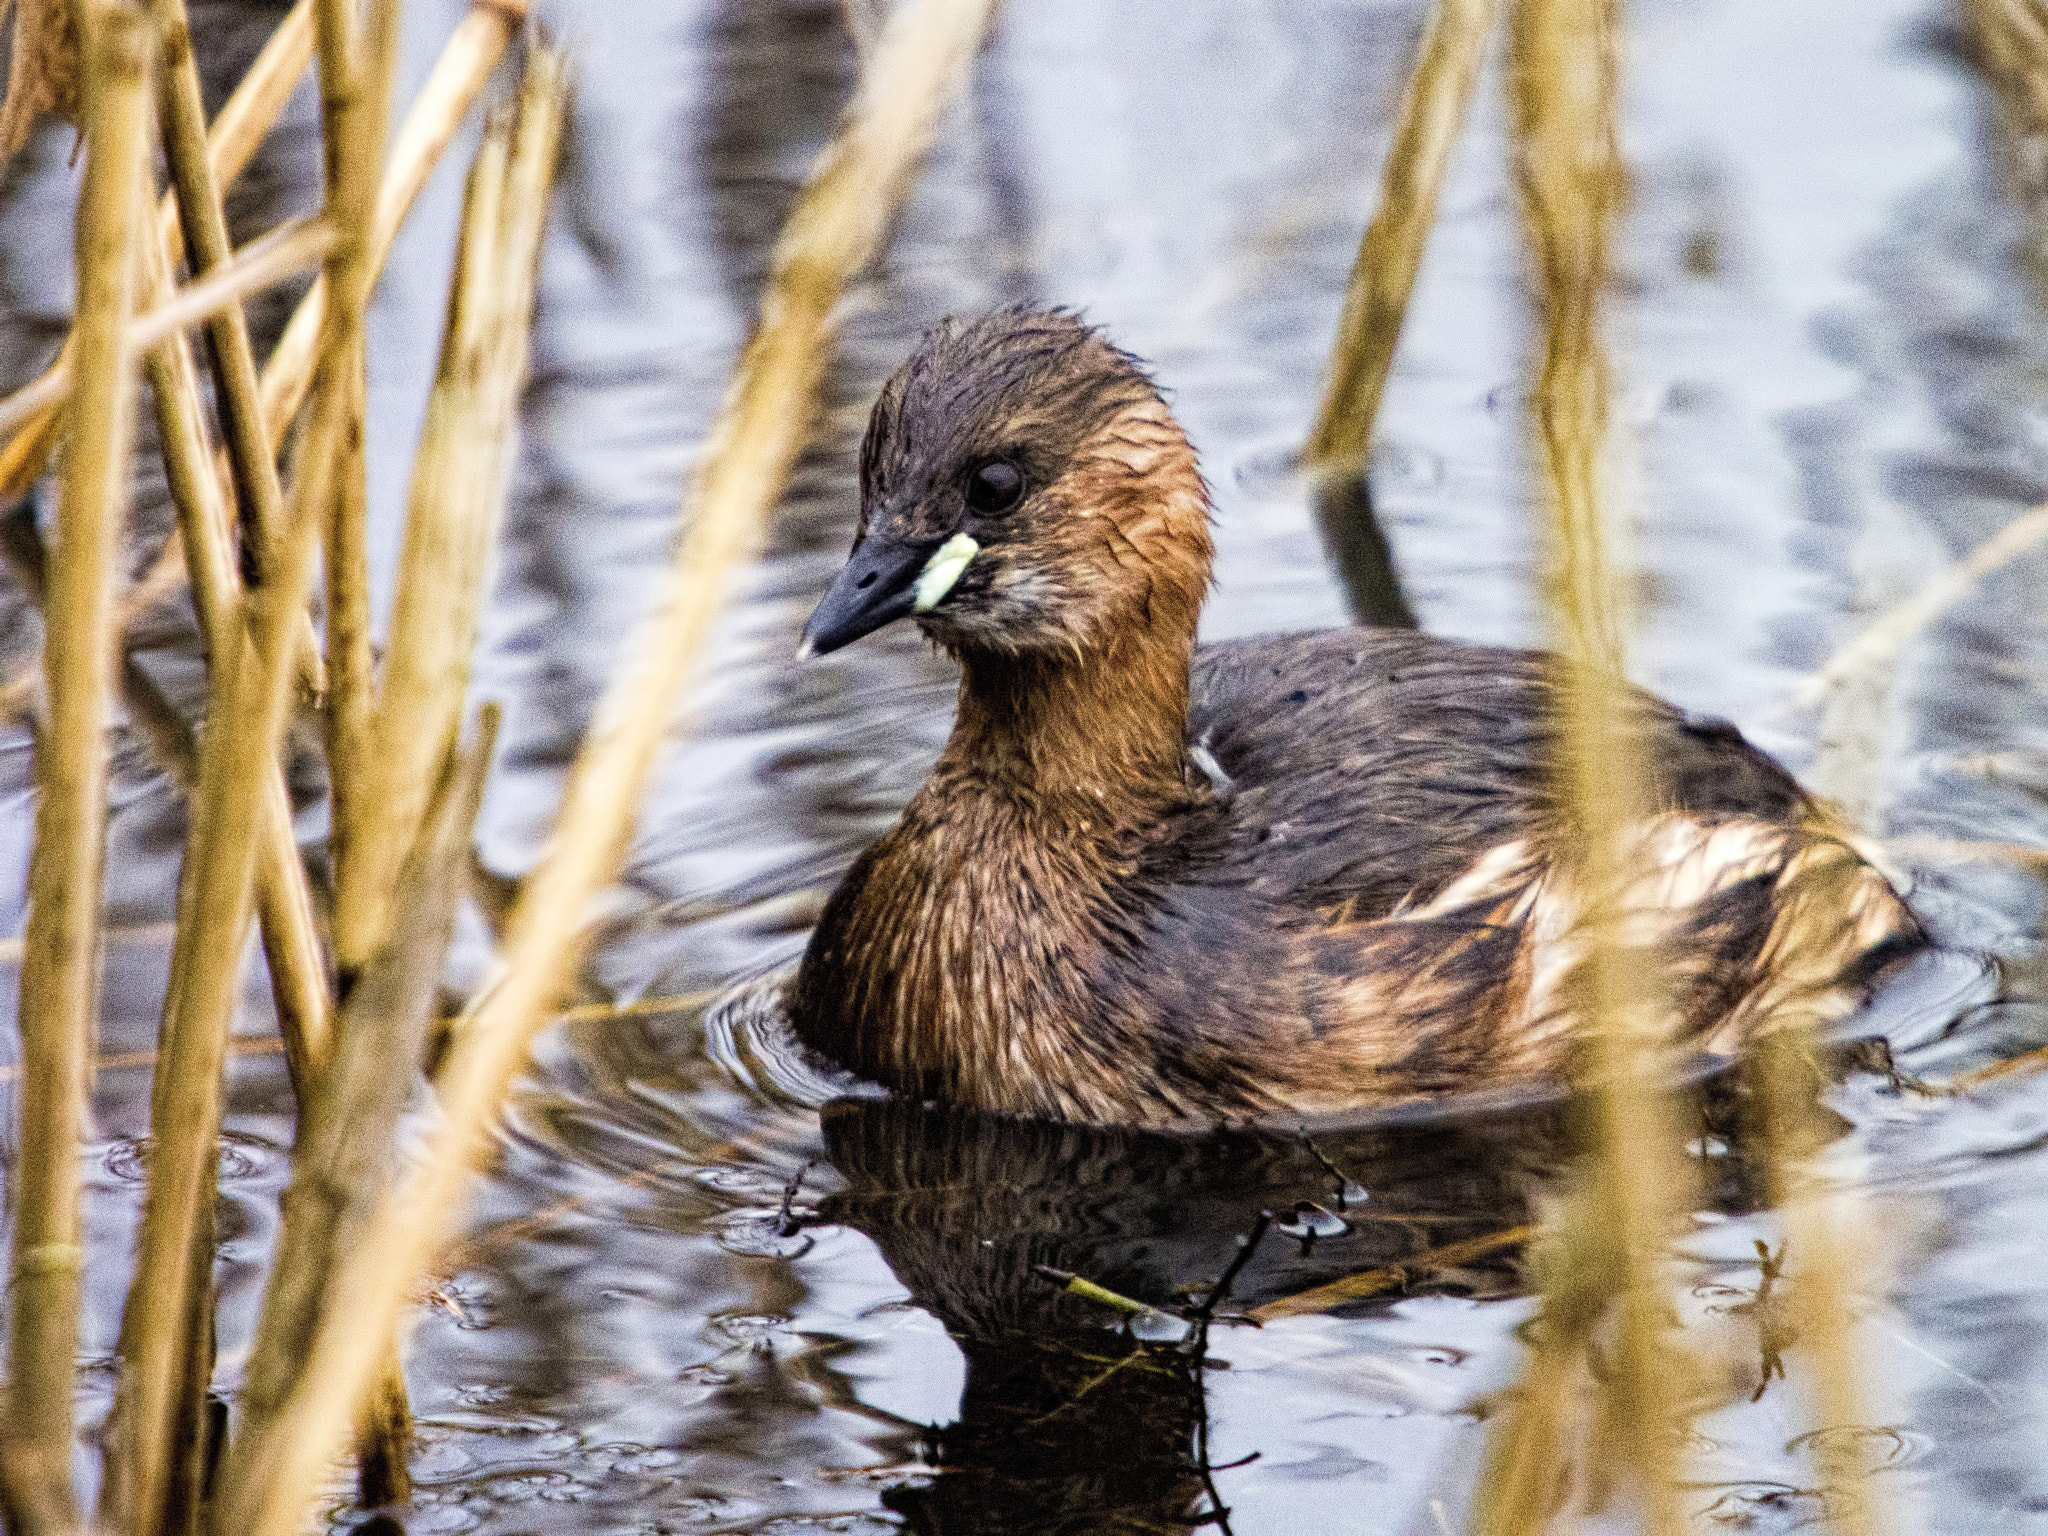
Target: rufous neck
<point>1107,726</point>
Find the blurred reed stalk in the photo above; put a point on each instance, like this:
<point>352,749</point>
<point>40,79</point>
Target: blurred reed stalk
<point>1376,303</point>
<point>1827,1249</point>
<point>60,958</point>
<point>1605,1264</point>
<point>838,227</point>
<point>169,1312</point>
<point>458,490</point>
<point>2010,39</point>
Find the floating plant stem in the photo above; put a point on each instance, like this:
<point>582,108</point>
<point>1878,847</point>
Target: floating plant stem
<point>1564,83</point>
<point>1376,302</point>
<point>250,693</point>
<point>1391,1277</point>
<point>60,970</point>
<point>836,229</point>
<point>458,488</point>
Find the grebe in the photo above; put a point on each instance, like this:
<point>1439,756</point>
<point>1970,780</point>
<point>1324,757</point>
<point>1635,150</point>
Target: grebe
<point>1149,882</point>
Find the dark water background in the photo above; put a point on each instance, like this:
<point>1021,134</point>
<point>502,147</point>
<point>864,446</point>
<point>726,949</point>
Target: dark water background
<point>1833,364</point>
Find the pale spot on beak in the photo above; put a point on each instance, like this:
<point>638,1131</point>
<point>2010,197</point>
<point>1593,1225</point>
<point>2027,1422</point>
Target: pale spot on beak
<point>942,570</point>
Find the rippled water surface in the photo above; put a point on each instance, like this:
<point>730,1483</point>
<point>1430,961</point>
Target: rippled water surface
<point>1833,364</point>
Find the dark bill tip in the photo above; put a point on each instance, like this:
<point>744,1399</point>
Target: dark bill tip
<point>876,586</point>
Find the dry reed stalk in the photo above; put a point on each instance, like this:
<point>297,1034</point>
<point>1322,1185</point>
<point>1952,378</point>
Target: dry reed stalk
<point>290,933</point>
<point>837,227</point>
<point>1879,643</point>
<point>1819,1227</point>
<point>285,252</point>
<point>466,62</point>
<point>356,63</point>
<point>60,972</point>
<point>243,121</point>
<point>251,685</point>
<point>258,491</point>
<point>1376,301</point>
<point>1565,82</point>
<point>458,489</point>
<point>346,1155</point>
<point>291,936</point>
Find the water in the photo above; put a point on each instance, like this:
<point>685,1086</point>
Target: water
<point>1834,358</point>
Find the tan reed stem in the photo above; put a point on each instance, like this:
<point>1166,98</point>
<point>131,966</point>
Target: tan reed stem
<point>237,131</point>
<point>466,62</point>
<point>458,490</point>
<point>291,935</point>
<point>1376,302</point>
<point>1821,1253</point>
<point>60,969</point>
<point>1565,80</point>
<point>355,86</point>
<point>346,1154</point>
<point>258,491</point>
<point>837,227</point>
<point>250,695</point>
<point>1390,254</point>
<point>283,253</point>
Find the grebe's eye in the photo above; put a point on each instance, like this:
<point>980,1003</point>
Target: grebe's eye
<point>996,486</point>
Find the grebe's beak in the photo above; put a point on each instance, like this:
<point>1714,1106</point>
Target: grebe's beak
<point>876,586</point>
<point>884,580</point>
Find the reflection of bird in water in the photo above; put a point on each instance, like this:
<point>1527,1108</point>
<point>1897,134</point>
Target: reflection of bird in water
<point>1066,1425</point>
<point>1146,883</point>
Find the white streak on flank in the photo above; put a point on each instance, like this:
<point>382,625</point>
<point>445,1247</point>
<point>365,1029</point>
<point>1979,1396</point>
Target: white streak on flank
<point>942,570</point>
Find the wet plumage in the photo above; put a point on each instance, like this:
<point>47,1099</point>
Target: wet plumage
<point>1146,883</point>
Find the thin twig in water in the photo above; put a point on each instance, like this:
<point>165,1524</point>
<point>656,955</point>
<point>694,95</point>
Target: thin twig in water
<point>1391,1277</point>
<point>1247,1245</point>
<point>785,1219</point>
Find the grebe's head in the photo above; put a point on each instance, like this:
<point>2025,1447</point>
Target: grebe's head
<point>1023,489</point>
